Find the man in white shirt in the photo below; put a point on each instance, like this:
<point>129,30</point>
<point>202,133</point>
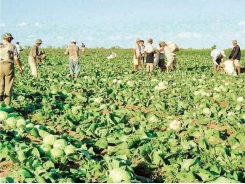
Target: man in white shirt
<point>137,54</point>
<point>17,45</point>
<point>149,51</point>
<point>217,57</point>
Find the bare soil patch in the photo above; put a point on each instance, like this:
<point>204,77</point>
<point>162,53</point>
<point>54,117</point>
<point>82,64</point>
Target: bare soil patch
<point>5,168</point>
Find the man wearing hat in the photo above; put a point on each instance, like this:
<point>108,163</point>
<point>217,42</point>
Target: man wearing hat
<point>8,54</point>
<point>137,54</point>
<point>73,52</point>
<point>217,57</point>
<point>33,56</point>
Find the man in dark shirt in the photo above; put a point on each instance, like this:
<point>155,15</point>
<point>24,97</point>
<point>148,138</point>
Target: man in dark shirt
<point>235,56</point>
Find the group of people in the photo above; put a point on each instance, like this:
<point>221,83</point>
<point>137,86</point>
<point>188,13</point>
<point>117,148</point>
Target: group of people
<point>157,57</point>
<point>227,66</point>
<point>9,54</point>
<point>73,51</point>
<point>142,52</point>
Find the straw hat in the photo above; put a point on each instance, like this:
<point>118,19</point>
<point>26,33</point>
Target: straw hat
<point>38,41</point>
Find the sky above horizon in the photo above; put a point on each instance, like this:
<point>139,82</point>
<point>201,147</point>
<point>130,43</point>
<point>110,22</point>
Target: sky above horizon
<point>107,23</point>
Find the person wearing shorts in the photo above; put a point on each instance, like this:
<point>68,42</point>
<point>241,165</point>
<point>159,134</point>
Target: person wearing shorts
<point>73,52</point>
<point>149,51</point>
<point>235,56</point>
<point>136,55</point>
<point>217,57</point>
<point>160,50</point>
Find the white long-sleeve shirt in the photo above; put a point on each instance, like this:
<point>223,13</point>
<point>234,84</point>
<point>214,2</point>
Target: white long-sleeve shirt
<point>18,48</point>
<point>215,54</point>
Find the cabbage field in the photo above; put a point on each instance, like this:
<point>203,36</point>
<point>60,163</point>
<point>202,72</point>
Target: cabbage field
<point>114,125</point>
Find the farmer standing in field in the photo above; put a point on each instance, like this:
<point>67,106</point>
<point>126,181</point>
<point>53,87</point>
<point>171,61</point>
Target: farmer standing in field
<point>83,48</point>
<point>160,51</point>
<point>217,57</point>
<point>17,45</point>
<point>33,56</point>
<point>73,52</point>
<point>235,56</point>
<point>8,54</point>
<point>137,54</point>
<point>169,50</point>
<point>142,49</point>
<point>149,51</point>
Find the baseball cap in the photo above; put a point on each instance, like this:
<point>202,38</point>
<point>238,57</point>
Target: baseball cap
<point>73,41</point>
